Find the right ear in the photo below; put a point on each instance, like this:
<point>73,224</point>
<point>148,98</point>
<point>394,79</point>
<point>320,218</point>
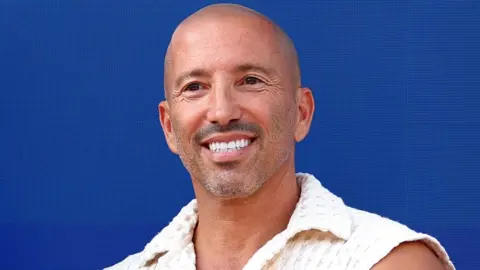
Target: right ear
<point>164,116</point>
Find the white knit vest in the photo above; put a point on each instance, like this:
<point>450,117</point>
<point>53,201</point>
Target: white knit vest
<point>323,233</point>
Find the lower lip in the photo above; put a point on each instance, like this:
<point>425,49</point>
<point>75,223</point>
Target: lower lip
<point>235,155</point>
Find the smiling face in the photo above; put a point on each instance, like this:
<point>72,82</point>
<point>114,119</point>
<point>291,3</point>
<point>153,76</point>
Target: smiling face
<point>234,106</point>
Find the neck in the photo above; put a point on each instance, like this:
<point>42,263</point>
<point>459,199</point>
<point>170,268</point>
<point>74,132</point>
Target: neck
<point>230,231</point>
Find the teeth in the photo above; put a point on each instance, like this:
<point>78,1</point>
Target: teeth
<point>228,146</point>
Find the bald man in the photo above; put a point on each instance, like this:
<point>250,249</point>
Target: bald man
<point>234,110</point>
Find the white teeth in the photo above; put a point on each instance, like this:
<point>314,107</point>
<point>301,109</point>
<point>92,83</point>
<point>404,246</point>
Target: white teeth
<point>228,146</point>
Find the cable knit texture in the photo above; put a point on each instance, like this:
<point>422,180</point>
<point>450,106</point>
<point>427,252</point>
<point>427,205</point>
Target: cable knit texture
<point>323,233</point>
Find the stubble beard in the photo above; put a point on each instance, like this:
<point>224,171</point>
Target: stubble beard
<point>227,180</point>
<point>232,179</point>
<point>231,182</point>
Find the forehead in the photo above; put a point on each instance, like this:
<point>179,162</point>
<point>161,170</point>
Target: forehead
<point>224,45</point>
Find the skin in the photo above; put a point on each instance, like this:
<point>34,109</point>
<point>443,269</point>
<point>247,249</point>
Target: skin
<point>222,98</point>
<point>410,256</point>
<point>211,89</point>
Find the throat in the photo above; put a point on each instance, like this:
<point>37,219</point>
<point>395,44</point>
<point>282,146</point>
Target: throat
<point>230,246</point>
<point>230,231</point>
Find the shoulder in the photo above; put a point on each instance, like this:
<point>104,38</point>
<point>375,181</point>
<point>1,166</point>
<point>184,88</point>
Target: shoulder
<point>130,262</point>
<point>411,256</point>
<point>385,244</point>
<point>368,239</point>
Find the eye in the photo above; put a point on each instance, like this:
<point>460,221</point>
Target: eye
<point>252,80</point>
<point>192,87</point>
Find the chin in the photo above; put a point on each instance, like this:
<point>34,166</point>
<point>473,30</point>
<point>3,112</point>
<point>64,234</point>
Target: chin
<point>232,185</point>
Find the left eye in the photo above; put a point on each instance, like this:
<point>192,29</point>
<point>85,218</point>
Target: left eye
<point>251,80</point>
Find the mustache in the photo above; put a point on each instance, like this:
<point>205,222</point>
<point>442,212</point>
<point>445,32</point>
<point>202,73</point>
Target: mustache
<point>232,126</point>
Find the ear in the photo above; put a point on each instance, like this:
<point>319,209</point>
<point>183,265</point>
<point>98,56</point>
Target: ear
<point>306,108</point>
<point>164,116</point>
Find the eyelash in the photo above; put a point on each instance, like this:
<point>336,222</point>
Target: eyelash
<point>252,77</point>
<point>190,84</point>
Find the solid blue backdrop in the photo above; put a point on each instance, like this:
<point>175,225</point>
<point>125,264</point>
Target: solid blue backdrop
<point>86,177</point>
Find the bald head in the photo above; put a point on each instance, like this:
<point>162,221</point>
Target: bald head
<point>213,18</point>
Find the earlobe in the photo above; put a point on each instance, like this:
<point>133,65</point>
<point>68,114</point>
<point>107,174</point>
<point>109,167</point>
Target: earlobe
<point>306,108</point>
<point>164,117</point>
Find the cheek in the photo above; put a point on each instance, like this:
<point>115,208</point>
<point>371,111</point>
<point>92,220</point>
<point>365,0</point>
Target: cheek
<point>260,110</point>
<point>283,122</point>
<point>184,124</point>
<point>277,115</point>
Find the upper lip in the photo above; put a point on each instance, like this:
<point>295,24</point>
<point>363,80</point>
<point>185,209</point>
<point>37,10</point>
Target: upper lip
<point>227,137</point>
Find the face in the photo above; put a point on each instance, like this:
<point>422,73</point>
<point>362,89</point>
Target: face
<point>234,110</point>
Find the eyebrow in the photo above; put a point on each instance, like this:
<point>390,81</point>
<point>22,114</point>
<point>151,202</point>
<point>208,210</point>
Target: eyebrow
<point>256,68</point>
<point>198,72</point>
<point>243,68</point>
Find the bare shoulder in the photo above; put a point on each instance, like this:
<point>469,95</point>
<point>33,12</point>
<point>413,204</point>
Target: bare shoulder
<point>412,256</point>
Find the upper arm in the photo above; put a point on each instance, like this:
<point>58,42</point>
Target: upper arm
<point>411,256</point>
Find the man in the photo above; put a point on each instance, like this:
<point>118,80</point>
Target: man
<point>234,109</point>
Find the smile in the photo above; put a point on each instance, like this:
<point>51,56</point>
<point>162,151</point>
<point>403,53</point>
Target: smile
<point>222,148</point>
<point>230,146</point>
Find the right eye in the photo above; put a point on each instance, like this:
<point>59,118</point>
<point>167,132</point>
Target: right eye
<point>193,87</point>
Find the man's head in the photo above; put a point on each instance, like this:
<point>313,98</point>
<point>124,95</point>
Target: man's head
<point>235,106</point>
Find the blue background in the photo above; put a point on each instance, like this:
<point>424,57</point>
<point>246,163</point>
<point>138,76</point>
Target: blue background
<point>86,177</point>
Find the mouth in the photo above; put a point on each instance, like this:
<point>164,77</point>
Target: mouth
<point>228,148</point>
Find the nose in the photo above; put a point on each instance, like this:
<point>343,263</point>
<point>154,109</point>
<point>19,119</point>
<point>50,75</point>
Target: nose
<point>223,107</point>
